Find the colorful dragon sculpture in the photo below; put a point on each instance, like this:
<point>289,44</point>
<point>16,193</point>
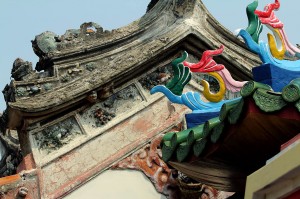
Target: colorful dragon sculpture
<point>254,25</point>
<point>263,50</point>
<point>218,71</point>
<point>279,44</point>
<point>183,74</point>
<point>268,17</point>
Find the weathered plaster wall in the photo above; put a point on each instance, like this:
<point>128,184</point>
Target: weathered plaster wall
<point>93,155</point>
<point>73,148</point>
<point>100,152</point>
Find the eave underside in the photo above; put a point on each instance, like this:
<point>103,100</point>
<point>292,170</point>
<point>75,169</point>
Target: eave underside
<point>243,148</point>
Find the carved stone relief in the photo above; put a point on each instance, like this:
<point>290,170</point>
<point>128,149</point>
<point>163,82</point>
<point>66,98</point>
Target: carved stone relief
<point>10,153</point>
<point>160,76</point>
<point>22,70</point>
<point>66,74</point>
<point>69,73</point>
<point>118,103</point>
<point>24,76</point>
<point>75,71</point>
<point>90,66</point>
<point>33,89</point>
<point>45,42</point>
<point>56,136</point>
<point>24,91</point>
<point>9,93</point>
<point>49,42</point>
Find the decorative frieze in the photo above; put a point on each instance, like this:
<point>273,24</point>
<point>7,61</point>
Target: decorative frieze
<point>118,103</point>
<point>56,136</point>
<point>34,89</point>
<point>160,76</point>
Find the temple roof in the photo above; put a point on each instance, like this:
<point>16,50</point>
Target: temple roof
<point>91,59</point>
<point>247,132</point>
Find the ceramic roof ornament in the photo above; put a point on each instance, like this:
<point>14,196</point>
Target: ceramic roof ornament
<point>218,71</point>
<point>269,10</point>
<point>206,63</point>
<point>173,89</point>
<point>263,50</point>
<point>268,17</point>
<point>214,97</point>
<point>276,44</point>
<point>275,70</point>
<point>254,25</point>
<point>182,75</point>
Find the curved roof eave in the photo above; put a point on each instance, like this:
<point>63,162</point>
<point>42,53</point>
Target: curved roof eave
<point>160,29</point>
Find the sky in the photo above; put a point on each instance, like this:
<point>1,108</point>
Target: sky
<point>21,21</point>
